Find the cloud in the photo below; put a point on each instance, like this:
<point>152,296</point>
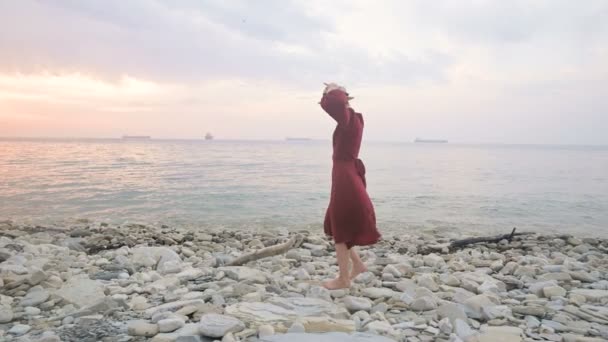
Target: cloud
<point>191,41</point>
<point>453,69</point>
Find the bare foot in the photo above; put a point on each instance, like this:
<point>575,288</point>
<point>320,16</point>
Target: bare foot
<point>357,269</point>
<point>336,284</point>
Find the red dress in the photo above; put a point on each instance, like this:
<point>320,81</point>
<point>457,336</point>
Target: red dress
<point>350,217</point>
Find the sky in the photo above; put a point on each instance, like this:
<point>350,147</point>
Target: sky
<point>495,71</point>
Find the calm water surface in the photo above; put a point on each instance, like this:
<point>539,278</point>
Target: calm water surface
<point>234,184</point>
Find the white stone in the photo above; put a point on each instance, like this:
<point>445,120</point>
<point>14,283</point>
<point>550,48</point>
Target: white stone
<point>17,269</point>
<point>538,287</point>
<point>427,281</point>
<point>169,267</point>
<point>142,328</point>
<point>191,274</point>
<point>319,292</point>
<point>445,326</point>
<point>423,304</point>
<point>452,311</point>
<point>433,260</point>
<point>19,329</point>
<point>32,311</point>
<point>37,277</point>
<point>377,292</point>
<point>406,285</point>
<point>139,303</point>
<point>501,334</point>
<point>488,287</point>
<point>461,295</point>
<point>187,252</point>
<point>380,327</point>
<point>187,333</point>
<point>391,269</point>
<point>6,314</point>
<point>365,278</point>
<point>35,298</point>
<point>242,273</point>
<point>101,262</point>
<point>81,291</point>
<point>532,322</point>
<point>327,337</point>
<point>354,304</point>
<point>474,305</point>
<point>153,256</point>
<point>285,310</point>
<point>450,280</point>
<point>296,327</point>
<point>215,325</point>
<point>496,311</point>
<point>302,274</point>
<point>173,306</point>
<point>265,331</point>
<point>591,295</point>
<point>170,324</point>
<point>554,291</point>
<point>463,330</point>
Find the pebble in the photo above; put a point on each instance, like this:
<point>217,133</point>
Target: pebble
<point>215,325</point>
<point>544,284</point>
<point>445,326</point>
<point>354,304</point>
<point>6,314</point>
<point>427,281</point>
<point>296,328</point>
<point>462,329</point>
<point>265,331</point>
<point>19,329</point>
<point>376,293</point>
<point>303,274</point>
<point>554,291</point>
<point>32,311</point>
<point>35,298</point>
<point>170,324</point>
<point>142,328</point>
<point>423,304</point>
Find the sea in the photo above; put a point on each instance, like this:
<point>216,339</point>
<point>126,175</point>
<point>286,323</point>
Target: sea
<point>473,189</point>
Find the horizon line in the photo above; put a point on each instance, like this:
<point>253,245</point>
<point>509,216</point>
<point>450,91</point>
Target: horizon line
<point>449,142</point>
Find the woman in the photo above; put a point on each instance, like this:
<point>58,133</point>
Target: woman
<point>350,219</point>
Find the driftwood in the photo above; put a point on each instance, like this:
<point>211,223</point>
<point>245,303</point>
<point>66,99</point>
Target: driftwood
<point>281,248</point>
<point>457,244</point>
<point>488,239</point>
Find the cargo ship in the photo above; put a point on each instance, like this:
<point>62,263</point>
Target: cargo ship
<point>136,137</point>
<point>432,141</point>
<point>208,136</point>
<point>297,139</point>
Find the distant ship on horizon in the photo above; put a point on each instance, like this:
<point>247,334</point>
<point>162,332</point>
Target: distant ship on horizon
<point>297,139</point>
<point>136,137</point>
<point>208,136</point>
<point>434,141</point>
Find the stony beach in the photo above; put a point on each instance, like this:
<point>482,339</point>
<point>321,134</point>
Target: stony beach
<point>98,282</point>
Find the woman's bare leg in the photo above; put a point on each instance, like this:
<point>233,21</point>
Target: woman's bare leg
<point>358,265</point>
<point>343,280</point>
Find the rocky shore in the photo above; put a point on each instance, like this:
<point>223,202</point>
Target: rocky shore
<point>96,282</point>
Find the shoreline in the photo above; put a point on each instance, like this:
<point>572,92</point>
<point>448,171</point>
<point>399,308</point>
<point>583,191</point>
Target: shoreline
<point>100,282</point>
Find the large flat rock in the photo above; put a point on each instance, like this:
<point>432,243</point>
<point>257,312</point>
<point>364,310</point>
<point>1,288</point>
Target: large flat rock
<point>327,337</point>
<point>591,295</point>
<point>280,309</point>
<point>81,291</point>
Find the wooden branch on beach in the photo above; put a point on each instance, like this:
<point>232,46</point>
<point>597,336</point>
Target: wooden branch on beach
<point>457,244</point>
<point>486,239</point>
<point>281,248</point>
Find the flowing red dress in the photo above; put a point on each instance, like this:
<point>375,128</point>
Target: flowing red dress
<point>350,216</point>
